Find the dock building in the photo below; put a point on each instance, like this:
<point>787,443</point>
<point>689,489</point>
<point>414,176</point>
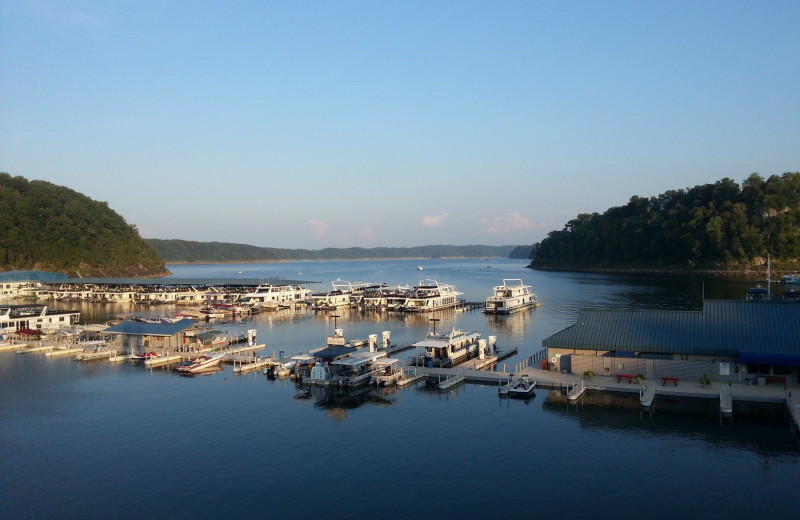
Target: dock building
<point>729,341</point>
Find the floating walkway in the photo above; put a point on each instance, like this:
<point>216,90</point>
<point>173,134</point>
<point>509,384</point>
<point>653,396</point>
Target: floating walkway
<point>12,346</point>
<point>165,360</point>
<point>725,400</point>
<point>58,351</point>
<point>451,382</point>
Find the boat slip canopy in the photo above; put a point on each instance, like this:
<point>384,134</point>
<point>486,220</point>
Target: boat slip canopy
<point>359,358</point>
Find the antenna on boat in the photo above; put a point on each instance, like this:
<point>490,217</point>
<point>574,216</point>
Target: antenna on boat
<point>334,316</point>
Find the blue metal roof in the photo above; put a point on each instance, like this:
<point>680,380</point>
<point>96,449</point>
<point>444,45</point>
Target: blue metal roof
<point>767,332</point>
<point>150,329</point>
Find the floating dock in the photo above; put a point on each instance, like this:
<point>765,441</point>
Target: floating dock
<point>116,358</point>
<point>725,400</point>
<point>63,351</point>
<point>451,382</point>
<point>95,355</point>
<point>12,346</point>
<point>165,360</point>
<point>243,368</point>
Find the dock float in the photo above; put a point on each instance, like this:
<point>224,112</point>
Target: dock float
<point>725,400</point>
<point>243,368</point>
<point>95,355</point>
<point>116,358</point>
<point>409,379</point>
<point>63,352</point>
<point>12,346</point>
<point>576,391</point>
<point>40,348</point>
<point>504,354</point>
<point>246,348</point>
<point>451,382</point>
<point>157,362</point>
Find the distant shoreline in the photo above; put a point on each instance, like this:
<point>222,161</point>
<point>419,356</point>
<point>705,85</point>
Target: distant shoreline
<point>206,262</point>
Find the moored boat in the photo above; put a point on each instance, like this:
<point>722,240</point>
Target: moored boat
<point>200,363</point>
<point>430,295</point>
<point>446,349</point>
<point>511,297</point>
<point>144,356</point>
<point>520,387</point>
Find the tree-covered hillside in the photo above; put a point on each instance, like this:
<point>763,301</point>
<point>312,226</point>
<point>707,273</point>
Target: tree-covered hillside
<point>720,226</point>
<point>186,251</point>
<point>49,227</point>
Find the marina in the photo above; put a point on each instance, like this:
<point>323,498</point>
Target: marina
<point>151,411</point>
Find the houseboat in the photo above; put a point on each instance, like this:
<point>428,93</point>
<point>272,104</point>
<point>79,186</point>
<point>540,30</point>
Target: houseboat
<point>270,297</point>
<point>511,297</point>
<point>387,372</point>
<point>447,349</point>
<point>430,295</point>
<point>35,317</point>
<point>344,294</point>
<point>385,298</point>
<point>357,369</point>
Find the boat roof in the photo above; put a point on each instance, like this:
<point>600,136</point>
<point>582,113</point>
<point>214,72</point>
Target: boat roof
<point>359,358</point>
<point>442,339</point>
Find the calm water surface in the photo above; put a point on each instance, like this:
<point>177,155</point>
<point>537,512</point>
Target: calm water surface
<point>95,440</point>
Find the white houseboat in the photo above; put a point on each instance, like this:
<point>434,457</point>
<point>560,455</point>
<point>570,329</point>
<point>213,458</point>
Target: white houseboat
<point>344,294</point>
<point>35,317</point>
<point>269,296</point>
<point>430,295</point>
<point>510,297</point>
<point>446,349</point>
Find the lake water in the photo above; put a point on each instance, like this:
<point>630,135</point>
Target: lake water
<point>96,440</point>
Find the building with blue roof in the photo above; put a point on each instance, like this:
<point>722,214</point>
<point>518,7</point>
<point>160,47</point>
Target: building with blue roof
<point>730,340</point>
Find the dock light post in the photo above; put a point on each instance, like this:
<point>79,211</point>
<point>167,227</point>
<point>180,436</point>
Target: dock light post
<point>334,316</point>
<point>434,320</point>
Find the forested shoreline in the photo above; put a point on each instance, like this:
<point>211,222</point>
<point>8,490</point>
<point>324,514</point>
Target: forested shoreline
<point>53,228</point>
<point>715,228</point>
<point>185,251</point>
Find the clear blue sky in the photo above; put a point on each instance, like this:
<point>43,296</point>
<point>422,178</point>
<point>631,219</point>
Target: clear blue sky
<point>378,123</point>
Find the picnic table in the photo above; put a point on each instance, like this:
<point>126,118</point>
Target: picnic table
<point>673,380</point>
<point>625,377</point>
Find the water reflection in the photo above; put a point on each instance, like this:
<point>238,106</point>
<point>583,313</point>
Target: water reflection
<point>754,427</point>
<point>338,400</point>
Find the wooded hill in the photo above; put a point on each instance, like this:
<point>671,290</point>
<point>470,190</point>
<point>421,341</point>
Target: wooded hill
<point>52,228</point>
<point>178,251</point>
<point>720,226</point>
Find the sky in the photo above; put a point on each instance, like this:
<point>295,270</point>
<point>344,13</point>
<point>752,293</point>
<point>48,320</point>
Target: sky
<point>312,124</point>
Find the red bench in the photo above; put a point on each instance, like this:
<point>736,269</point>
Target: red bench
<point>625,377</point>
<point>775,379</point>
<point>673,380</point>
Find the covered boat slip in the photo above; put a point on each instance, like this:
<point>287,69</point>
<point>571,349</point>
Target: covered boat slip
<point>356,369</point>
<point>136,335</point>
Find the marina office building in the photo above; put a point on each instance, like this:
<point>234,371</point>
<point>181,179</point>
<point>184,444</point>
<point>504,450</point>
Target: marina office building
<point>730,341</point>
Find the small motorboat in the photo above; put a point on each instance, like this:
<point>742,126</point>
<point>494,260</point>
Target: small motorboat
<point>144,356</point>
<point>200,363</point>
<point>519,387</point>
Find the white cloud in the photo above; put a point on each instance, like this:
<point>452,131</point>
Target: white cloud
<point>510,221</point>
<point>319,229</point>
<point>434,220</point>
